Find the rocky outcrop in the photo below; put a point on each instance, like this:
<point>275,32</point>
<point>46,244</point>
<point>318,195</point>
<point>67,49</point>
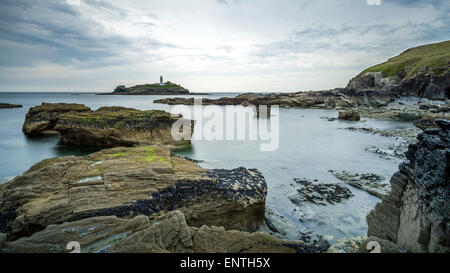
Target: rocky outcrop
<point>371,183</point>
<point>281,227</point>
<point>45,116</point>
<point>365,244</point>
<point>126,182</point>
<point>352,115</point>
<point>300,99</point>
<point>425,123</point>
<point>166,233</point>
<point>425,85</point>
<point>107,126</point>
<point>167,88</point>
<point>8,105</point>
<point>415,215</point>
<point>420,72</point>
<point>336,98</point>
<point>319,193</point>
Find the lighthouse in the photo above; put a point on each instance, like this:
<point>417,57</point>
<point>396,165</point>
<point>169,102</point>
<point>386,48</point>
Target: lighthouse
<point>161,81</point>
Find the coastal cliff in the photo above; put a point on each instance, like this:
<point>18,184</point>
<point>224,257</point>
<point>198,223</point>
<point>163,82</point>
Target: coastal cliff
<point>418,72</point>
<point>415,215</point>
<point>421,71</point>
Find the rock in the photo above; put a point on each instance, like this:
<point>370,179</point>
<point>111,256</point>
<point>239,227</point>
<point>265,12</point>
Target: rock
<point>318,193</point>
<point>166,233</point>
<point>352,115</point>
<point>107,126</point>
<point>315,239</point>
<point>280,224</point>
<point>415,214</point>
<point>408,117</point>
<point>339,101</point>
<point>2,239</point>
<point>370,182</point>
<point>218,240</point>
<point>425,123</point>
<point>443,124</point>
<point>8,105</point>
<point>126,182</point>
<point>45,116</point>
<point>360,245</point>
<point>415,72</point>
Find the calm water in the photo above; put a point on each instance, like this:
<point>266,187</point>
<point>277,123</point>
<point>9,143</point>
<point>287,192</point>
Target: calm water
<point>310,145</point>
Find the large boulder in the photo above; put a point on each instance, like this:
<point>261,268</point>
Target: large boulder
<point>352,115</point>
<point>166,233</point>
<point>415,215</point>
<point>107,126</point>
<point>126,182</point>
<point>45,116</point>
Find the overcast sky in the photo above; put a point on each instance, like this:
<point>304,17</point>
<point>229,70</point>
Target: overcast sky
<point>207,45</point>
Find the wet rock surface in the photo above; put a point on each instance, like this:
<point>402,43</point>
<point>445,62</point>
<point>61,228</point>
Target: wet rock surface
<point>319,193</point>
<point>371,183</point>
<point>105,127</point>
<point>163,234</point>
<point>396,150</point>
<point>126,182</point>
<point>281,227</point>
<point>365,244</point>
<point>415,215</point>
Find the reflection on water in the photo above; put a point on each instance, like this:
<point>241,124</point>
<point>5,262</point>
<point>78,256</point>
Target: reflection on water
<point>310,146</point>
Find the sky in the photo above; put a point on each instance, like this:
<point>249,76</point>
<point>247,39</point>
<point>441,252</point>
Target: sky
<point>207,45</point>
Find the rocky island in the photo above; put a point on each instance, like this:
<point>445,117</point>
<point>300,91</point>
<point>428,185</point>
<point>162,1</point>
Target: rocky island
<point>161,88</point>
<point>8,105</point>
<point>104,127</point>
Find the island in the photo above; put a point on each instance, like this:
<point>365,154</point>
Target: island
<point>8,105</point>
<point>161,88</point>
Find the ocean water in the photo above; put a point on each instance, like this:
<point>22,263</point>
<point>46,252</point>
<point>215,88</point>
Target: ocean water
<point>309,147</point>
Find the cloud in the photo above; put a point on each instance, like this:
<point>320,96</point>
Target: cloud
<point>373,2</point>
<point>223,45</point>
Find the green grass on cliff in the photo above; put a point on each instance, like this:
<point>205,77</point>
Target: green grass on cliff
<point>434,57</point>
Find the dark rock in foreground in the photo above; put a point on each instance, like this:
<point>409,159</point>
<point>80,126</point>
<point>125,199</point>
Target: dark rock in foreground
<point>415,215</point>
<point>126,182</point>
<point>167,233</point>
<point>105,127</point>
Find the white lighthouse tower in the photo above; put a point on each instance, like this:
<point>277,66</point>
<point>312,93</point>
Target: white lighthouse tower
<point>161,81</point>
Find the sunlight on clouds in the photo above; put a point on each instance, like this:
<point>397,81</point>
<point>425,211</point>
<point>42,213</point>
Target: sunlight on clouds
<point>374,2</point>
<point>206,45</point>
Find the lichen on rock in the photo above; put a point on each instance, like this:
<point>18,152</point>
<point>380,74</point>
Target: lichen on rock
<point>107,126</point>
<point>126,182</point>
